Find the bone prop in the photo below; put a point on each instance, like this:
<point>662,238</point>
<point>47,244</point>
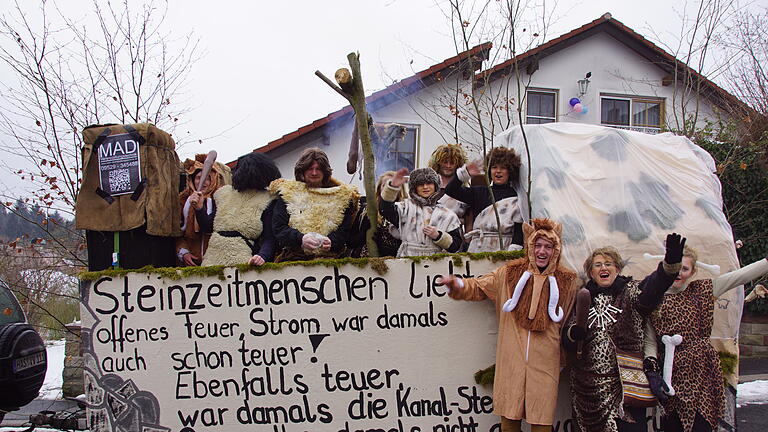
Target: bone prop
<point>207,166</point>
<point>712,268</point>
<point>510,304</point>
<point>670,342</point>
<point>555,311</point>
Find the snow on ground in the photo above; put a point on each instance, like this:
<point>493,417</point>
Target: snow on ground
<point>753,392</point>
<point>53,376</point>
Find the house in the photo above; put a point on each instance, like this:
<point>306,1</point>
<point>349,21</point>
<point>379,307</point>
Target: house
<point>621,79</point>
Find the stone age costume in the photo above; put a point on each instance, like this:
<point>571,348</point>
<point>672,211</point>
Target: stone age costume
<point>528,354</point>
<point>411,215</point>
<point>241,227</point>
<point>484,232</point>
<point>193,240</point>
<point>620,312</point>
<point>141,226</point>
<point>696,374</point>
<point>300,210</point>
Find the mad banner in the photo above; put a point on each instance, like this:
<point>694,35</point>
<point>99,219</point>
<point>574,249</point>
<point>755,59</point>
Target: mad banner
<point>337,348</point>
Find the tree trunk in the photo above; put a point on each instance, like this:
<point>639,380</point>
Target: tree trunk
<point>369,163</point>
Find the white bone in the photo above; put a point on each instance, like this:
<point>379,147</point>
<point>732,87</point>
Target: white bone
<point>712,268</point>
<point>670,342</point>
<point>554,297</point>
<point>511,304</point>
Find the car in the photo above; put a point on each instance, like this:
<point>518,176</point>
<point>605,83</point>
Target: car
<point>23,359</point>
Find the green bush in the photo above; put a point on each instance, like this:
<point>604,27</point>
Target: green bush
<point>742,166</point>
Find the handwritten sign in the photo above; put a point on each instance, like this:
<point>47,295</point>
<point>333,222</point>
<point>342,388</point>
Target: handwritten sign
<point>297,349</point>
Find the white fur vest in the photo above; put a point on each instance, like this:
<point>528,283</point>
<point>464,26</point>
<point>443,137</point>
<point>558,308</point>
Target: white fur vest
<point>240,212</point>
<point>319,210</point>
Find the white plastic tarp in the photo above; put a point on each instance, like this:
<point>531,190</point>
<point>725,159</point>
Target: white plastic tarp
<point>628,190</point>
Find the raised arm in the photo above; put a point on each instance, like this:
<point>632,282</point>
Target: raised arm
<point>653,287</point>
<point>455,188</point>
<point>475,289</point>
<point>724,283</point>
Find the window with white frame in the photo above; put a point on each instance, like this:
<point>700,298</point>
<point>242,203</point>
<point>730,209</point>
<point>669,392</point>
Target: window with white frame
<point>646,114</point>
<point>541,106</point>
<point>393,153</point>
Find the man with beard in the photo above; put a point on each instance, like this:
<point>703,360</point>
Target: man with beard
<point>314,213</point>
<point>532,295</point>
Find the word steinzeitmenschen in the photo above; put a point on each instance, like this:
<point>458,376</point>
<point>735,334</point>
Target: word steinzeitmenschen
<point>242,293</point>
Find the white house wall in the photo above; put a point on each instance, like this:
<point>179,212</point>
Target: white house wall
<point>616,70</point>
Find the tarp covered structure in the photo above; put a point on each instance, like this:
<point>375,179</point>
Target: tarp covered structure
<point>613,187</point>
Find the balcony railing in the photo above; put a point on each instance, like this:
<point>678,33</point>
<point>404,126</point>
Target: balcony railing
<point>643,129</point>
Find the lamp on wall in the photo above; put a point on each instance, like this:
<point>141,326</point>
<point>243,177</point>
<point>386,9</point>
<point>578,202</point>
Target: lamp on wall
<point>584,84</point>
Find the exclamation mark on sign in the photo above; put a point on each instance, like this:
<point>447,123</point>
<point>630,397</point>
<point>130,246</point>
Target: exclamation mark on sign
<point>315,340</point>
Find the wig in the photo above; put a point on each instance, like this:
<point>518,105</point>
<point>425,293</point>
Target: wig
<point>254,171</point>
<point>507,158</point>
<point>310,155</point>
<point>447,152</point>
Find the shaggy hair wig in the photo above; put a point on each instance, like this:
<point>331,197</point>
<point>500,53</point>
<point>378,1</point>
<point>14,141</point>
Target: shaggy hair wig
<point>254,171</point>
<point>447,152</point>
<point>507,158</point>
<point>608,252</point>
<point>310,155</point>
<point>692,254</point>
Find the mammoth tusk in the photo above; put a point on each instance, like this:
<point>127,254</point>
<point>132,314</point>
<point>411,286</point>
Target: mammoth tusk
<point>510,304</point>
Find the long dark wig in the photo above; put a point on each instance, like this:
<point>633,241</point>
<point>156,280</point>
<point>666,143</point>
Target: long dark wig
<point>254,171</point>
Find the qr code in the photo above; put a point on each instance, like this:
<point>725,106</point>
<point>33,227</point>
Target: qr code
<point>119,180</point>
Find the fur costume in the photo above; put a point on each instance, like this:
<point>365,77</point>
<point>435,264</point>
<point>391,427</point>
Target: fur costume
<point>412,215</point>
<point>329,211</point>
<point>696,374</point>
<point>484,235</point>
<point>319,210</point>
<point>528,354</point>
<point>596,391</point>
<point>192,240</point>
<point>238,211</point>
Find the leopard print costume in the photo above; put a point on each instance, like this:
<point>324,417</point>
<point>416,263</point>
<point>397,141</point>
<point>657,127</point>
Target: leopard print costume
<point>596,391</point>
<point>696,375</point>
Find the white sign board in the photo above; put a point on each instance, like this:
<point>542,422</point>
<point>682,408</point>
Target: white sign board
<point>302,348</point>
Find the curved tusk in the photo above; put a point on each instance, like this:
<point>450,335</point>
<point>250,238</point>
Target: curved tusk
<point>554,297</point>
<point>511,304</point>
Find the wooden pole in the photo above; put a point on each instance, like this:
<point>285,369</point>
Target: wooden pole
<point>369,163</point>
<point>355,93</point>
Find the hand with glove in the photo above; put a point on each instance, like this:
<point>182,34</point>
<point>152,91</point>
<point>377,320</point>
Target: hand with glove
<point>659,388</point>
<point>675,244</point>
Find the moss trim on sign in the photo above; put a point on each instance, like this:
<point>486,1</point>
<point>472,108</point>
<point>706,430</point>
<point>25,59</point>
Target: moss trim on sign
<point>377,264</point>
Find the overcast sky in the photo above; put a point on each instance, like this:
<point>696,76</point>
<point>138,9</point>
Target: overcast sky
<point>255,80</point>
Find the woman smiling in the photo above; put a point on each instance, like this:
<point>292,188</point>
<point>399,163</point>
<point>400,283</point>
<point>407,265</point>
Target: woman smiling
<point>618,312</point>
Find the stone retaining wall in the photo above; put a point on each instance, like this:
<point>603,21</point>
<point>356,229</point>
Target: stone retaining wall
<point>73,363</point>
<point>753,336</point>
